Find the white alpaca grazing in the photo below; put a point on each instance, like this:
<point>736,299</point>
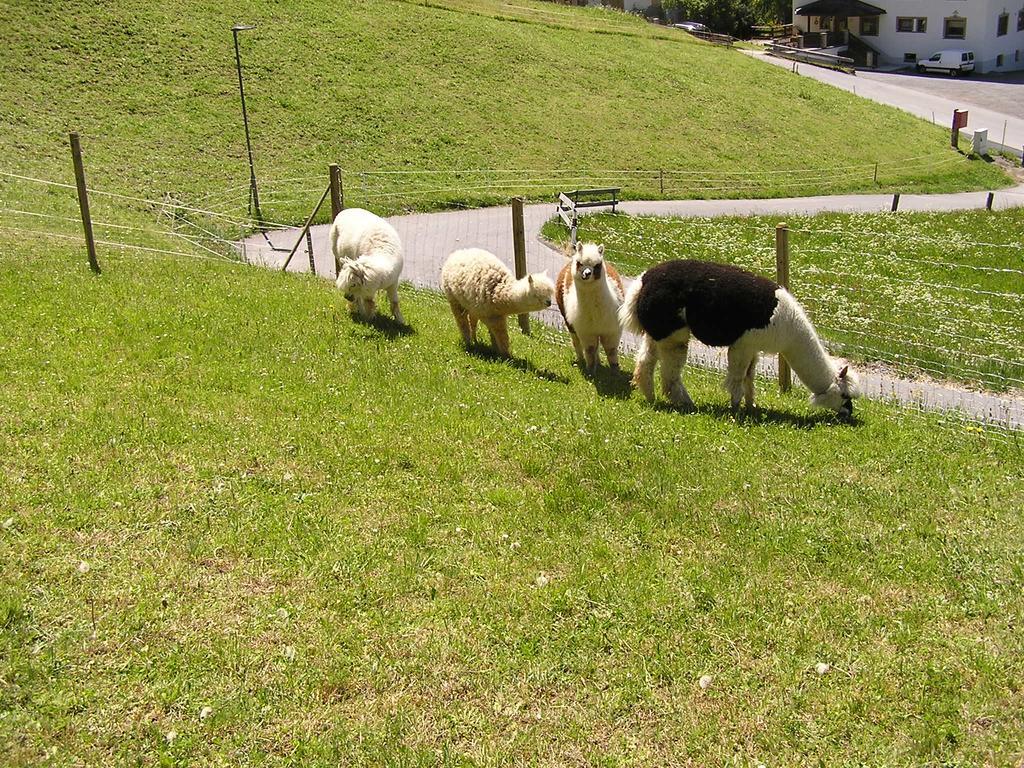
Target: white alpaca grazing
<point>480,287</point>
<point>589,294</point>
<point>724,306</point>
<point>368,259</point>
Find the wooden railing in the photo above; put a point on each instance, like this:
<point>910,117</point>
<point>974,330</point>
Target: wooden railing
<point>844,63</point>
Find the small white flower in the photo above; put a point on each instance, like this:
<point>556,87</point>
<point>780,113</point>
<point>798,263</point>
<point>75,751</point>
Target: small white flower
<point>705,682</point>
<point>288,477</point>
<point>514,545</point>
<point>541,580</point>
<point>171,736</point>
<point>83,567</point>
<point>282,614</point>
<point>8,523</point>
<point>205,713</point>
<point>289,653</point>
<point>821,667</point>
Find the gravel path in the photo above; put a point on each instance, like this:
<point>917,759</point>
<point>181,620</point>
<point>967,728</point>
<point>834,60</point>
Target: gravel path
<point>428,238</point>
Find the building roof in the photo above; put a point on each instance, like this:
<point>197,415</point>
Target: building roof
<point>839,8</point>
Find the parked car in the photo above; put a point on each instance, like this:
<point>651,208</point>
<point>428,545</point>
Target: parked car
<point>951,62</point>
<point>692,26</point>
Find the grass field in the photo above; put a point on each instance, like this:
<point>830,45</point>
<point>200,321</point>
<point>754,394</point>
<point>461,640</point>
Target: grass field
<point>937,294</point>
<point>453,87</point>
<point>240,529</point>
<point>237,528</point>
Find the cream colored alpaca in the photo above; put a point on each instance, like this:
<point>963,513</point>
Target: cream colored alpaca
<point>589,293</point>
<point>480,287</point>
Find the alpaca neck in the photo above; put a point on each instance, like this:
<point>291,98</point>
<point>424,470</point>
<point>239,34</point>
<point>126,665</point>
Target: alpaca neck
<point>509,297</point>
<point>809,360</point>
<point>598,289</point>
<point>805,353</point>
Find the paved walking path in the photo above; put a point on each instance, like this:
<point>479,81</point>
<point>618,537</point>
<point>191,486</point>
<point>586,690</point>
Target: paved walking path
<point>428,238</point>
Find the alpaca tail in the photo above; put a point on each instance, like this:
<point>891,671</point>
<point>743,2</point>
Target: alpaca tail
<point>627,312</point>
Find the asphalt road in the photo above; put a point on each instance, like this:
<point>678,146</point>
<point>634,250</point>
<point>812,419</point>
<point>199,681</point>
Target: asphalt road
<point>993,103</point>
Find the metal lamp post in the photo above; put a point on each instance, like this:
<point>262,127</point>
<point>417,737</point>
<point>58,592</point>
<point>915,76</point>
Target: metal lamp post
<point>254,195</point>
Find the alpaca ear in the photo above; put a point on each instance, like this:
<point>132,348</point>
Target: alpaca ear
<point>600,249</point>
<point>529,279</point>
<point>842,373</point>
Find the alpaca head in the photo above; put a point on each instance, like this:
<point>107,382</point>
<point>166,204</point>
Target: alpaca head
<point>840,393</point>
<point>588,262</point>
<point>539,292</point>
<point>351,278</point>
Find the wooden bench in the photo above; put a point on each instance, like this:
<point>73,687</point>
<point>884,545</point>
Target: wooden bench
<point>569,204</point>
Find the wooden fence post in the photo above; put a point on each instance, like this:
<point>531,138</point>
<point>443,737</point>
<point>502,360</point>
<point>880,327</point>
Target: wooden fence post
<point>83,202</point>
<point>337,192</point>
<point>519,250</point>
<point>954,131</point>
<point>782,278</point>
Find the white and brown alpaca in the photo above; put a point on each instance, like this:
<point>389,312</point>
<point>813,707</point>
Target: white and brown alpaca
<point>725,306</point>
<point>367,259</point>
<point>480,287</point>
<point>589,294</point>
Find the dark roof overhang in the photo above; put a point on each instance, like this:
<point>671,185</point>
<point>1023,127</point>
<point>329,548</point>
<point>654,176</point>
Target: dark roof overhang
<point>839,8</point>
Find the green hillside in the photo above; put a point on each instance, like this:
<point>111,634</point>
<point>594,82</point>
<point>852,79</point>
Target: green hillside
<point>237,528</point>
<point>451,85</point>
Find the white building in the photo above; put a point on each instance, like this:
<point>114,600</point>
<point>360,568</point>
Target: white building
<point>895,32</point>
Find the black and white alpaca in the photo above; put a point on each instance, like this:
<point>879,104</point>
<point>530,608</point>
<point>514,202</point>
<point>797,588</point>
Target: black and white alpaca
<point>725,306</point>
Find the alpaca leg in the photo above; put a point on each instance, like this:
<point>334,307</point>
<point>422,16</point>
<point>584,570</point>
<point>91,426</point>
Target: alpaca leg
<point>499,333</point>
<point>578,347</point>
<point>748,383</point>
<point>590,355</point>
<point>672,354</point>
<point>740,360</point>
<point>371,307</point>
<point>472,327</point>
<point>611,350</point>
<point>643,373</point>
<point>463,321</point>
<point>396,312</point>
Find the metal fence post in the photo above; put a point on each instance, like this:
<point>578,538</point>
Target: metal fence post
<point>519,250</point>
<point>782,278</point>
<point>895,202</point>
<point>83,202</point>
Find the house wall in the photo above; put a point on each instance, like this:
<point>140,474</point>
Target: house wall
<point>982,19</point>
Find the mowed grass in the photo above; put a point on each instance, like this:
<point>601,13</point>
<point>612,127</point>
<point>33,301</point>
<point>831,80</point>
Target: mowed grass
<point>922,293</point>
<point>437,92</point>
<point>365,547</point>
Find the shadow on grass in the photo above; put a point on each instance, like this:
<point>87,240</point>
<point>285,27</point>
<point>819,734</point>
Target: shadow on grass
<point>764,415</point>
<point>490,354</point>
<point>611,382</point>
<point>384,326</point>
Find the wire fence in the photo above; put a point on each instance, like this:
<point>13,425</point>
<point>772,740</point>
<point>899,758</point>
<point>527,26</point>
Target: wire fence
<point>935,320</point>
<point>930,329</point>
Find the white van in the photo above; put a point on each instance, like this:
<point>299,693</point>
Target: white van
<point>950,62</point>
